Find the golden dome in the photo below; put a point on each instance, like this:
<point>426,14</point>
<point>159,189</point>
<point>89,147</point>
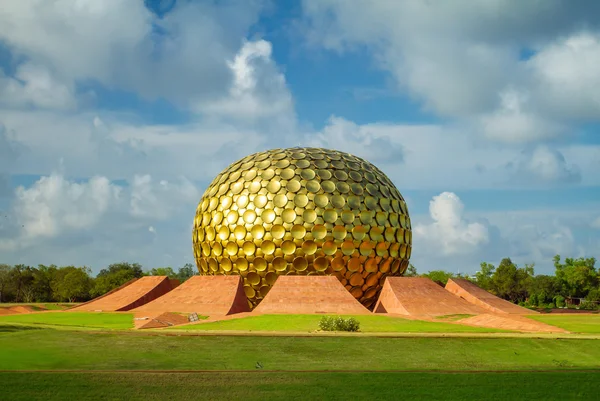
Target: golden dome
<point>304,211</point>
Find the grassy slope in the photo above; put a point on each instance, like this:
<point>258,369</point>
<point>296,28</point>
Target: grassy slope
<point>42,305</point>
<point>95,320</point>
<point>305,323</point>
<point>301,386</point>
<point>575,323</point>
<point>60,349</point>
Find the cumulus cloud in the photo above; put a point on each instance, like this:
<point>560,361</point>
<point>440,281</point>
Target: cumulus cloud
<point>158,200</point>
<point>9,152</point>
<point>53,205</point>
<point>84,218</point>
<point>458,58</point>
<point>450,231</point>
<point>188,47</point>
<point>567,77</point>
<point>35,86</point>
<point>258,89</point>
<point>364,141</point>
<point>544,165</point>
<point>511,123</point>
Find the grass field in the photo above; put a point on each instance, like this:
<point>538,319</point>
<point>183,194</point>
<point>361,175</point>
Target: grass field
<point>41,305</point>
<point>64,349</point>
<point>89,320</point>
<point>300,386</point>
<point>575,323</point>
<point>306,323</point>
<point>129,365</point>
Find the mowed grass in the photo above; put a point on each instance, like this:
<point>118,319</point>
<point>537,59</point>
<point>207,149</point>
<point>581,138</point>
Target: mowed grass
<point>306,323</point>
<point>575,323</point>
<point>41,305</point>
<point>527,386</point>
<point>92,320</point>
<point>80,350</point>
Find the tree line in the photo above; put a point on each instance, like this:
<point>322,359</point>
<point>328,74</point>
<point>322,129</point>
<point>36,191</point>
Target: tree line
<point>575,283</point>
<point>21,283</point>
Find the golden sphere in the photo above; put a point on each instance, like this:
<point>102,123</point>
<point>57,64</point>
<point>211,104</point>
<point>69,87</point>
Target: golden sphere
<point>306,211</point>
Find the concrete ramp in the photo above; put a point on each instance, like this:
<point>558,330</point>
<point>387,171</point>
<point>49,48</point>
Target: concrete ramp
<point>133,294</point>
<point>419,296</point>
<point>308,295</point>
<point>205,295</point>
<point>480,297</point>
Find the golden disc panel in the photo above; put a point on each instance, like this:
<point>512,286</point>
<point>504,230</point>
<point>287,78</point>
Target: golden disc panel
<point>303,211</point>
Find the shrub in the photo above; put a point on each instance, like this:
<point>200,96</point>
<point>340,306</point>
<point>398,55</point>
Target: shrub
<point>329,323</point>
<point>560,301</point>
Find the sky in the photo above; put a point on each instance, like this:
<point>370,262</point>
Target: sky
<point>115,115</point>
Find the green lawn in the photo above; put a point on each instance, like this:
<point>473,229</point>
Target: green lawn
<point>306,323</point>
<point>563,386</point>
<point>65,349</point>
<point>575,323</point>
<point>92,320</point>
<point>42,305</point>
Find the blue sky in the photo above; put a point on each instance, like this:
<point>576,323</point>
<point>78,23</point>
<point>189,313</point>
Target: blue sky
<point>487,122</point>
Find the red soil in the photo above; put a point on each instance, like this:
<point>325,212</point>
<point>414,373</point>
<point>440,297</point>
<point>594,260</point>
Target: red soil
<point>309,294</point>
<point>205,295</point>
<point>129,296</point>
<point>419,296</point>
<point>480,297</point>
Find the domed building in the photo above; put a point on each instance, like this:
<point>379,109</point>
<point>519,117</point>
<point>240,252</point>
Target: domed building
<point>303,211</point>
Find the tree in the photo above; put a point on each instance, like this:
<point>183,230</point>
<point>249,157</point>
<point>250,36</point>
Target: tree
<point>439,276</point>
<point>21,278</point>
<point>188,270</point>
<point>5,281</point>
<point>43,282</point>
<point>483,277</point>
<point>114,276</point>
<point>163,271</point>
<point>544,288</point>
<point>576,277</point>
<point>511,282</point>
<point>134,270</point>
<point>74,284</point>
<point>411,271</point>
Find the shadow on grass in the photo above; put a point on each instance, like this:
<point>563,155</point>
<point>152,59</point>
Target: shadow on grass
<point>13,328</point>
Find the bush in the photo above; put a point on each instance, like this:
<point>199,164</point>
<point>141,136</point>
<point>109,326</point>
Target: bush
<point>559,300</point>
<point>330,323</point>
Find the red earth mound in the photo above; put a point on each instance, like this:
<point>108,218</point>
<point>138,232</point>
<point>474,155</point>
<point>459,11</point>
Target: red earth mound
<point>480,297</point>
<point>309,294</point>
<point>130,295</point>
<point>419,296</point>
<point>205,295</point>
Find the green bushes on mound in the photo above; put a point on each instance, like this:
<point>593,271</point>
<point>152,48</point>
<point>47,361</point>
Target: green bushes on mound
<point>330,323</point>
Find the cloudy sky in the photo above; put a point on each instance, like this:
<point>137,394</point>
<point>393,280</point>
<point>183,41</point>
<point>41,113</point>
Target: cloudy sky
<point>116,114</point>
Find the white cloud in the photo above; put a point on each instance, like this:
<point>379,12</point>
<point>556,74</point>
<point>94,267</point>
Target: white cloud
<point>258,89</point>
<point>511,123</point>
<point>450,232</point>
<point>187,48</point>
<point>372,143</point>
<point>158,200</point>
<point>53,205</point>
<point>596,223</point>
<point>35,86</point>
<point>437,156</point>
<point>458,58</point>
<point>568,77</point>
<point>57,218</point>
<point>545,165</point>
